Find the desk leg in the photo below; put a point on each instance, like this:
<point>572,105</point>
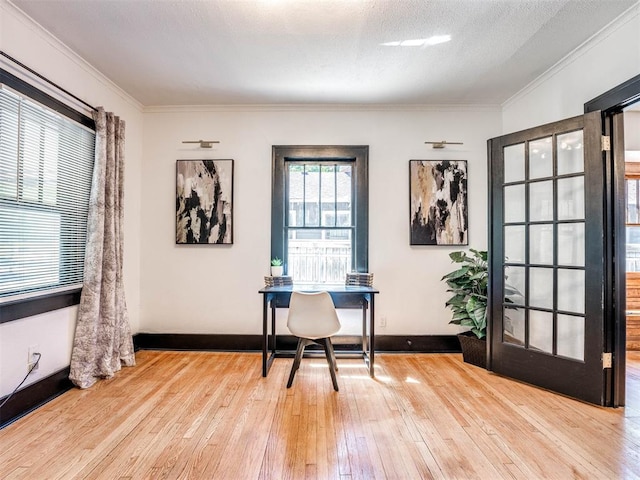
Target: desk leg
<point>265,335</point>
<point>365,341</point>
<point>273,329</point>
<point>372,338</point>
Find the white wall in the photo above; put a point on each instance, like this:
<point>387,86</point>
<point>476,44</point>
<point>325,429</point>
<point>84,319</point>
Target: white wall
<point>607,60</point>
<point>213,289</point>
<point>53,332</point>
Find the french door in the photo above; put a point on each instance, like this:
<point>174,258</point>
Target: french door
<point>547,257</point>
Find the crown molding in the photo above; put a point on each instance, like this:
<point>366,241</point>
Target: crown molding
<point>7,7</point>
<point>319,108</point>
<point>627,16</point>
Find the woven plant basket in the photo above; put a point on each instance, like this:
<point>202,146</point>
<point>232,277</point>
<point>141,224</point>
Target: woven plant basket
<point>474,349</point>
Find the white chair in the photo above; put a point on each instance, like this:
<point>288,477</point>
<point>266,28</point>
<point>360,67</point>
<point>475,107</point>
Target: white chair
<point>313,319</point>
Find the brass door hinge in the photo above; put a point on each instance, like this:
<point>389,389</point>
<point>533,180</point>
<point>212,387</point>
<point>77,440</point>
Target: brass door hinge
<point>607,360</point>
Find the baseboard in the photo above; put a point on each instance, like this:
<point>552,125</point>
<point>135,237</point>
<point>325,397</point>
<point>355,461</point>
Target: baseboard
<point>239,343</point>
<point>33,396</point>
<point>418,343</point>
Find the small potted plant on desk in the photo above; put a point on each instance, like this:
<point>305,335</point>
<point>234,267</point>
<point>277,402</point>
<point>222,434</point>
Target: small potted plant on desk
<point>276,267</point>
<point>469,303</point>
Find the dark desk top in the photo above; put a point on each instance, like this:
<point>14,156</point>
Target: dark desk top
<point>319,288</point>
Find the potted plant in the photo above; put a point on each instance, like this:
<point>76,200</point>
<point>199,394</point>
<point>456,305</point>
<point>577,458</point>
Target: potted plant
<point>468,283</point>
<point>276,267</point>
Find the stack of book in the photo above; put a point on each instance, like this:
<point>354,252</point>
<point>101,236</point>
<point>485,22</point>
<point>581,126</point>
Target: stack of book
<point>359,279</point>
<point>278,281</point>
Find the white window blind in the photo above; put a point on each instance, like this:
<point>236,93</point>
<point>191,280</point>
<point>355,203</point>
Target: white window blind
<point>46,164</point>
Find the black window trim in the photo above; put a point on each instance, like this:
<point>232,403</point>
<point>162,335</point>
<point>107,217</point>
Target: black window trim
<point>49,301</point>
<point>359,155</point>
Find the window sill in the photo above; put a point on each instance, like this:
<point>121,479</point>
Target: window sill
<point>38,305</point>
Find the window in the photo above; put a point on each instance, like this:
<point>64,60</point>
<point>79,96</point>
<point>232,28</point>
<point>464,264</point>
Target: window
<point>632,186</point>
<point>46,165</point>
<point>320,212</point>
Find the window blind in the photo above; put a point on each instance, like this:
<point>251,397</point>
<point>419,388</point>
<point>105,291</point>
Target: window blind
<point>46,165</point>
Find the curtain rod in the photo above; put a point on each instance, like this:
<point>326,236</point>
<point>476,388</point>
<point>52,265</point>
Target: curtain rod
<point>41,77</point>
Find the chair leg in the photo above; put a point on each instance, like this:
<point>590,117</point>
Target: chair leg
<point>333,355</point>
<point>302,343</point>
<point>328,349</point>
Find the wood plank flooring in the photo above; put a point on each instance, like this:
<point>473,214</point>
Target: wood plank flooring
<point>200,415</point>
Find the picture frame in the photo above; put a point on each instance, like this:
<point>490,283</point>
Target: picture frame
<point>438,204</point>
<point>204,202</point>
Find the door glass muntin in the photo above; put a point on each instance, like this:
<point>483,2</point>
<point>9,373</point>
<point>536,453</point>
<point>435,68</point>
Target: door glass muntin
<point>554,209</point>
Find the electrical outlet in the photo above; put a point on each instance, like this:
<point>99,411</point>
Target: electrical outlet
<point>32,358</point>
<point>383,321</point>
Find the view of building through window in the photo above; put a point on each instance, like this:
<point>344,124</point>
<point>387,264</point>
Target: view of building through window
<point>633,224</point>
<point>319,221</point>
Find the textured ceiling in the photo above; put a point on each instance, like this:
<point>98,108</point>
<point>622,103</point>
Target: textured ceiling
<point>322,51</point>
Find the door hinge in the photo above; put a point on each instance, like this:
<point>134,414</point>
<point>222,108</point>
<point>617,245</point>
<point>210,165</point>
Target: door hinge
<point>607,360</point>
<point>606,143</point>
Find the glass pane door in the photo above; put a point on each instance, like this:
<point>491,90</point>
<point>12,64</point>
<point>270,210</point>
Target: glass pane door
<point>546,221</point>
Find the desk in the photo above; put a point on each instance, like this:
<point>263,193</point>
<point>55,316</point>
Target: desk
<point>343,297</point>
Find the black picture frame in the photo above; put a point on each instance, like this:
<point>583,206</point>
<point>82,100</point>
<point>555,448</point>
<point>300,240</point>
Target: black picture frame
<point>204,202</point>
<point>438,204</point>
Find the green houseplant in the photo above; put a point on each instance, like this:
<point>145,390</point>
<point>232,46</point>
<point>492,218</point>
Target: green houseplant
<point>276,267</point>
<point>468,284</point>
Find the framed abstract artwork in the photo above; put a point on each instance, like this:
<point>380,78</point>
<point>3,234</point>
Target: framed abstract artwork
<point>438,202</point>
<point>204,202</point>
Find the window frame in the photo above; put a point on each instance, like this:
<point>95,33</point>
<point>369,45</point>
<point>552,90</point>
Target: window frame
<point>358,155</point>
<point>49,300</point>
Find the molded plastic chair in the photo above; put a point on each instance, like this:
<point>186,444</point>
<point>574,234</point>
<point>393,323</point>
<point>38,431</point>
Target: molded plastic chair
<point>313,319</point>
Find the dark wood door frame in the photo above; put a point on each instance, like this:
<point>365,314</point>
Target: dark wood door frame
<point>617,98</point>
<point>612,103</point>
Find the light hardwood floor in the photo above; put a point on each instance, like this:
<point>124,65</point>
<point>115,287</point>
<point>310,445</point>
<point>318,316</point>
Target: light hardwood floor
<point>204,415</point>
